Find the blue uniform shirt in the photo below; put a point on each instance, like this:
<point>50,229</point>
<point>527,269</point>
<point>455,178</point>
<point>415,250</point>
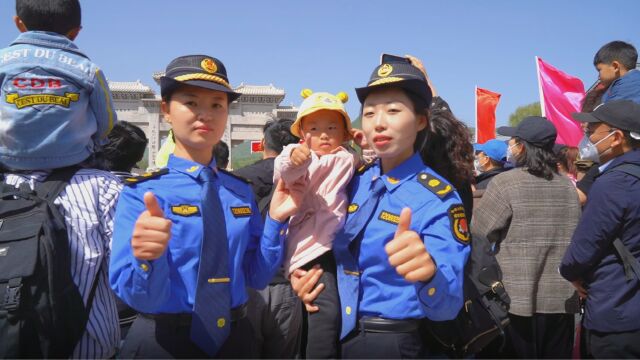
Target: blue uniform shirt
<point>168,284</point>
<point>612,211</point>
<point>437,215</point>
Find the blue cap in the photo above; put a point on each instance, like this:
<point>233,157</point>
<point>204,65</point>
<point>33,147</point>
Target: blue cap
<point>495,149</point>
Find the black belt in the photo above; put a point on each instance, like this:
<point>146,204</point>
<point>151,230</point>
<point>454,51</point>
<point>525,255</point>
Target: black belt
<point>381,325</point>
<point>237,313</point>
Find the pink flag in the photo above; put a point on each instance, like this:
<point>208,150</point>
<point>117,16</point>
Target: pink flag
<point>560,95</point>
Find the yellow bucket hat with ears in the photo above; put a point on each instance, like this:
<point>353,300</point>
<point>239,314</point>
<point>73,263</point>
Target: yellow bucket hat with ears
<point>321,101</point>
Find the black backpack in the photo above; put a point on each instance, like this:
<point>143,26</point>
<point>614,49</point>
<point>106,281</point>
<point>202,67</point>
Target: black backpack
<point>42,313</point>
<point>484,315</point>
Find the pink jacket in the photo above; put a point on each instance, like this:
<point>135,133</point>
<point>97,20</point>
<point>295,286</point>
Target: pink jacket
<point>324,206</point>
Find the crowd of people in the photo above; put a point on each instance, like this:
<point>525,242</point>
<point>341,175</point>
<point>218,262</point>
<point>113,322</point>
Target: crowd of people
<point>339,243</point>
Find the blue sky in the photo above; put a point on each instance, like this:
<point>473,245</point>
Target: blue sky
<point>334,45</point>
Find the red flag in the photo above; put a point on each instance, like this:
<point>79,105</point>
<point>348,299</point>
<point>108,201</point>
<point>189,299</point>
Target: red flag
<point>560,95</point>
<point>486,103</point>
<point>256,146</point>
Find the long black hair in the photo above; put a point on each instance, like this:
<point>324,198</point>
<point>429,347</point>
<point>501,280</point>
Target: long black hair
<point>126,146</point>
<point>445,144</point>
<point>538,161</point>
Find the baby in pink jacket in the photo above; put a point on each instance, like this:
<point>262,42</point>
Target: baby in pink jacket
<point>324,167</point>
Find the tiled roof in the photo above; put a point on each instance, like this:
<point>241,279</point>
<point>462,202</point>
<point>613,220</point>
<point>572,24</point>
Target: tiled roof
<point>129,86</point>
<point>246,89</point>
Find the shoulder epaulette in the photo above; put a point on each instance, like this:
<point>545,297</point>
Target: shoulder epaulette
<point>439,187</point>
<point>244,180</point>
<point>146,176</point>
<point>364,167</point>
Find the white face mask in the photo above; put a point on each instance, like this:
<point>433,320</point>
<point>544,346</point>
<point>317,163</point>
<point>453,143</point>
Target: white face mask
<point>477,166</point>
<point>589,150</point>
<point>510,157</point>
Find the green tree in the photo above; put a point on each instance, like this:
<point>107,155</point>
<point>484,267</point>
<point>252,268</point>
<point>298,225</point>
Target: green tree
<point>524,111</point>
<point>357,123</point>
<point>242,156</point>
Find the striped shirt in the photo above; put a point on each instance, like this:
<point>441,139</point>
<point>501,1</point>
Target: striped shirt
<point>88,204</point>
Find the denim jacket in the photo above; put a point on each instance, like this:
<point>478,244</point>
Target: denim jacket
<point>55,104</point>
<point>625,87</point>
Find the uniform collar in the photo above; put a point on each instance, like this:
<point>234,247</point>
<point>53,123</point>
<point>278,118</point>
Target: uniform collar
<point>402,172</point>
<point>189,167</point>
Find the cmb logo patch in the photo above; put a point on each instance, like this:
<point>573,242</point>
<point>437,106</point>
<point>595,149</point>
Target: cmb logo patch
<point>459,225</point>
<point>241,211</point>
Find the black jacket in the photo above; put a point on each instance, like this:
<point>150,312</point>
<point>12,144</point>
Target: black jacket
<point>484,178</point>
<point>261,176</point>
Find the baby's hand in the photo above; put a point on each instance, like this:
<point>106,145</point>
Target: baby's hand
<point>302,153</point>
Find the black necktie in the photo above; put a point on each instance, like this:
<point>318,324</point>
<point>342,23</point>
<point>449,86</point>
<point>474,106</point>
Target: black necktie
<point>211,322</point>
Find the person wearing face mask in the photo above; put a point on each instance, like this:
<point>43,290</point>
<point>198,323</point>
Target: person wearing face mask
<point>609,225</point>
<point>592,100</point>
<point>489,161</point>
<point>529,213</point>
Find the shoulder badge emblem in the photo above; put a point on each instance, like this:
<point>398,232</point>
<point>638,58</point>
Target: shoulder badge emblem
<point>459,225</point>
<point>146,176</point>
<point>435,185</point>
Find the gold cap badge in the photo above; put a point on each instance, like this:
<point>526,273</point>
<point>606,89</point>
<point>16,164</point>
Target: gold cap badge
<point>385,70</point>
<point>209,65</point>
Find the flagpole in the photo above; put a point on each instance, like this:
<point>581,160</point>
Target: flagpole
<point>475,97</point>
<point>542,109</point>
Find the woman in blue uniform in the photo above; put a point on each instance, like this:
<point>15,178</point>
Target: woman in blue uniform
<point>401,255</point>
<point>189,238</point>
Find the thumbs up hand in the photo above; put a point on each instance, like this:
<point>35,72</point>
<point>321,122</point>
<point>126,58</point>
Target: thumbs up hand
<point>301,154</point>
<point>407,252</point>
<point>151,232</point>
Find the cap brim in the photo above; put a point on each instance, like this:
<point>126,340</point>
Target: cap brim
<point>585,117</point>
<point>418,87</point>
<point>168,84</point>
<point>506,131</point>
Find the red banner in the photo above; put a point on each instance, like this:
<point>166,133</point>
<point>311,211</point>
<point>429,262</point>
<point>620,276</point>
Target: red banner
<point>486,103</point>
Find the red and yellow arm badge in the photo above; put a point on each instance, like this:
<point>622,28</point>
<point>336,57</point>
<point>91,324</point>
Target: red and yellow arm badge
<point>459,225</point>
